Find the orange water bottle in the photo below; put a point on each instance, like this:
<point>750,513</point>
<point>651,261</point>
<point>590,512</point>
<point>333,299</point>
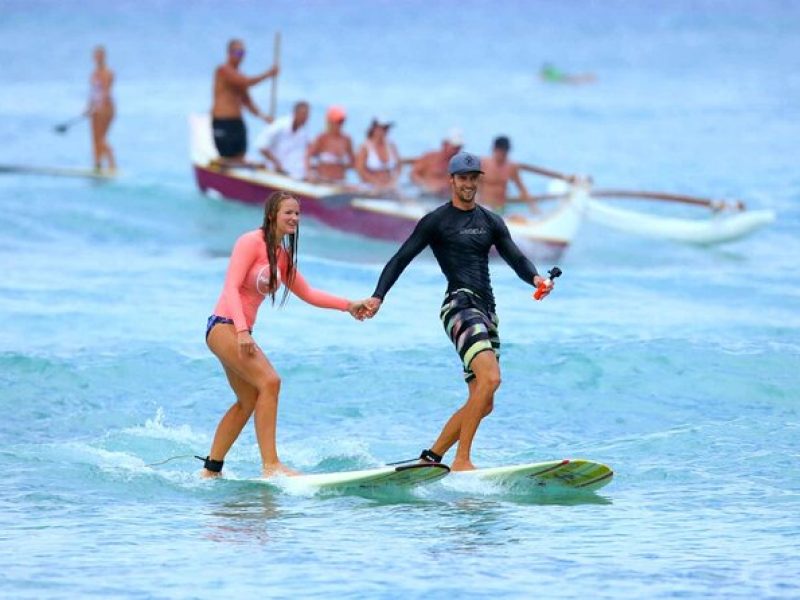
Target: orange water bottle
<point>542,287</point>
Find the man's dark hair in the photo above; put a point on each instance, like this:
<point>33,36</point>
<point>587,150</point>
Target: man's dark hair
<point>502,143</point>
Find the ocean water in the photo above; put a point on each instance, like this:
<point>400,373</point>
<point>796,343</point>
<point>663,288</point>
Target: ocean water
<point>676,365</point>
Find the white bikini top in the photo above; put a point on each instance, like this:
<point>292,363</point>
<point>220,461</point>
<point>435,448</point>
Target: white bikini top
<point>374,162</point>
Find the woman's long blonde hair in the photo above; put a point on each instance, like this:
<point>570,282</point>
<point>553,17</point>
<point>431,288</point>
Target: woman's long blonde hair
<point>287,242</point>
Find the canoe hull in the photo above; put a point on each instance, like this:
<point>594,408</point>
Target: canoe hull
<point>392,220</point>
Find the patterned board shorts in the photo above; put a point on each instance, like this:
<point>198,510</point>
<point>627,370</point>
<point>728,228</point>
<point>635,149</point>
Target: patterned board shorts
<point>471,326</point>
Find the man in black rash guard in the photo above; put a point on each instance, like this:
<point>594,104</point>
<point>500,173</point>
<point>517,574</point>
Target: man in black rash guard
<point>461,233</point>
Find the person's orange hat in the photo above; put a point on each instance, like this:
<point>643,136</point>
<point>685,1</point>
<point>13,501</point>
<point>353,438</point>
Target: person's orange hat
<point>336,114</point>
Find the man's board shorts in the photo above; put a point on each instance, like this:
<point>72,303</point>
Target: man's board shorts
<point>230,137</point>
<point>471,326</point>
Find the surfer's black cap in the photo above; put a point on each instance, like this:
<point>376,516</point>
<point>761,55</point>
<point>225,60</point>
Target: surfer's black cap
<point>464,162</point>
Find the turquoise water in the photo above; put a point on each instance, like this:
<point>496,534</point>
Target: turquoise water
<point>675,365</point>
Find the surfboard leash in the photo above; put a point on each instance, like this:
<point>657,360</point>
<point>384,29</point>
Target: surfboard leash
<point>171,458</point>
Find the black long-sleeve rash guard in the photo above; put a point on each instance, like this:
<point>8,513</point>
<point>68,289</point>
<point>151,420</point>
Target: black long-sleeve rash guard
<point>460,240</point>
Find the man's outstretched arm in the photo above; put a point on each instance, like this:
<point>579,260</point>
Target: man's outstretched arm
<point>408,251</point>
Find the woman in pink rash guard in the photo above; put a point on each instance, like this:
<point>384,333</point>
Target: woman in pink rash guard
<point>261,260</point>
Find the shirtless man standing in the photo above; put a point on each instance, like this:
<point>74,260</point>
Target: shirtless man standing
<point>430,170</point>
<point>498,170</point>
<point>231,93</point>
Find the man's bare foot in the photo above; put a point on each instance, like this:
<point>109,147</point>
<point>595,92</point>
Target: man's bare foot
<point>271,470</point>
<point>206,474</point>
<point>460,464</point>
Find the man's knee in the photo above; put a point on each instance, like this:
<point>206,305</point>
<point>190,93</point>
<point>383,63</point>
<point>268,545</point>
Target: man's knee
<point>489,379</point>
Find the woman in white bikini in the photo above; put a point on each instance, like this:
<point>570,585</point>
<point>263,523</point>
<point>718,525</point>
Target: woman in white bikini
<point>377,161</point>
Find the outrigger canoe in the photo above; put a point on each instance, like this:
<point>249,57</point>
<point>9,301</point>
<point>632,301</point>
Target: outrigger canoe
<point>244,184</point>
<point>719,227</point>
<point>541,237</point>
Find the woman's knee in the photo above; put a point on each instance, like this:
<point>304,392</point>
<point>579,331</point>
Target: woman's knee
<point>270,384</point>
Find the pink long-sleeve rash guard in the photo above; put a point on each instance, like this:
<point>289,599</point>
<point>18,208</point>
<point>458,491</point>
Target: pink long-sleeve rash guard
<point>247,283</point>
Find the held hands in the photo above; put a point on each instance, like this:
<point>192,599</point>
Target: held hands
<point>363,309</point>
<point>372,306</point>
<point>246,345</point>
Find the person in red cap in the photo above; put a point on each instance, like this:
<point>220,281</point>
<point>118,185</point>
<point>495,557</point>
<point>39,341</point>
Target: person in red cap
<point>330,155</point>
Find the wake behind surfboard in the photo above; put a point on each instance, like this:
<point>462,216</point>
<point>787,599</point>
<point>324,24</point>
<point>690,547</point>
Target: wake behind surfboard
<point>557,475</point>
<point>404,476</point>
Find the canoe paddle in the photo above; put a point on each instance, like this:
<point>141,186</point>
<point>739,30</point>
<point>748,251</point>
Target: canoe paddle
<point>276,59</point>
<point>542,287</point>
<point>62,127</point>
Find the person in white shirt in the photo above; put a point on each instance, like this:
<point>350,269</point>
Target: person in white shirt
<point>284,142</point>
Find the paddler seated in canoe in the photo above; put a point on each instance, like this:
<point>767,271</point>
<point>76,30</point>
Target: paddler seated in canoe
<point>231,93</point>
<point>377,160</point>
<point>498,170</point>
<point>285,142</point>
<point>331,154</point>
<point>429,171</point>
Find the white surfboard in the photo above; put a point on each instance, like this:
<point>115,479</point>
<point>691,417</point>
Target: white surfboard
<point>565,474</point>
<point>399,476</point>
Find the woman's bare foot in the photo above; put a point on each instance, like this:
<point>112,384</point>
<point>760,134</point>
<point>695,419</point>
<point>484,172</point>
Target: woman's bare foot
<point>271,470</point>
<point>206,474</point>
<point>460,464</point>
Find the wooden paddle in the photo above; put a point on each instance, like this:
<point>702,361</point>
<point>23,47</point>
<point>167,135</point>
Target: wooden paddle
<point>273,97</point>
<point>715,205</point>
<point>63,127</point>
